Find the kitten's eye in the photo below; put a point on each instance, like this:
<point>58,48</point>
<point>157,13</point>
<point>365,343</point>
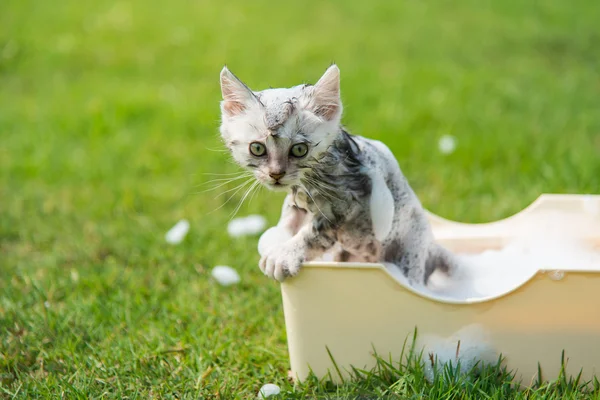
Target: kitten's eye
<point>258,149</point>
<point>299,150</point>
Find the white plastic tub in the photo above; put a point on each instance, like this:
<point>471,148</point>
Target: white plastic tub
<point>352,309</point>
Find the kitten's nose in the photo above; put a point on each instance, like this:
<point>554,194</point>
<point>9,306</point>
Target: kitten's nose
<point>277,176</point>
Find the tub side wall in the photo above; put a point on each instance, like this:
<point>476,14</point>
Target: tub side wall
<point>353,310</point>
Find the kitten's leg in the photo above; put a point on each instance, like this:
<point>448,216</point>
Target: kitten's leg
<point>291,220</point>
<point>417,257</point>
<point>292,217</point>
<point>285,260</point>
<point>412,257</point>
<point>409,249</point>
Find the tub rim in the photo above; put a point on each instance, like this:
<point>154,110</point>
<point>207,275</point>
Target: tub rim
<point>442,299</point>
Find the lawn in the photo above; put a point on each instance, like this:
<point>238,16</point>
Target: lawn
<point>109,124</point>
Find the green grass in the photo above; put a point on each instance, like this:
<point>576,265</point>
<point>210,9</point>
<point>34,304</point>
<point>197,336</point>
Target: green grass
<point>108,121</point>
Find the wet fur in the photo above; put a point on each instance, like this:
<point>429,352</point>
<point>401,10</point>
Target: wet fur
<point>331,190</point>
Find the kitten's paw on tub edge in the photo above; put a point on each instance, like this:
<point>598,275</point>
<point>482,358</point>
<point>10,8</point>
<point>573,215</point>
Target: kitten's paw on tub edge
<point>280,263</point>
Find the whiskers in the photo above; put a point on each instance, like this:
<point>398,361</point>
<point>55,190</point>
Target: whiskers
<point>235,190</point>
<point>251,189</point>
<point>323,188</point>
<point>217,150</point>
<point>225,180</point>
<point>249,186</point>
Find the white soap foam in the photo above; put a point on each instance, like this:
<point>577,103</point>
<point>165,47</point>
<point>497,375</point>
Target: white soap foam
<point>274,236</point>
<point>250,225</point>
<point>447,144</point>
<point>268,390</point>
<point>496,272</point>
<point>225,275</point>
<point>591,205</point>
<point>328,257</point>
<point>466,350</point>
<point>552,241</point>
<point>177,233</point>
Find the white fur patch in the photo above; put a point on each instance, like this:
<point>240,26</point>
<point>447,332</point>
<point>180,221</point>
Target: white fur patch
<point>382,207</point>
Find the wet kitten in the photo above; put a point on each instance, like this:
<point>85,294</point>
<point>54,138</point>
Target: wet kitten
<point>343,190</point>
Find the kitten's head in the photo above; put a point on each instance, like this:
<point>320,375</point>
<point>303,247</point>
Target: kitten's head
<point>280,133</point>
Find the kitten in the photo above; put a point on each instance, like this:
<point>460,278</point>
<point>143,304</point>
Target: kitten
<point>345,193</point>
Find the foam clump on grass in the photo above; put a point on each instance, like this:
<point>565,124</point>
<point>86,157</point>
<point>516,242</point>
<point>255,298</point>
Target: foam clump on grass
<point>465,351</point>
<point>225,275</point>
<point>447,144</point>
<point>250,225</point>
<point>177,233</point>
<point>268,390</point>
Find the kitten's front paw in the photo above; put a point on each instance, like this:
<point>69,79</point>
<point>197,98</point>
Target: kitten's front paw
<point>281,262</point>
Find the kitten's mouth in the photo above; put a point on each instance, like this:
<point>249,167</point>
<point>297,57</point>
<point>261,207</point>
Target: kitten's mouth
<point>277,185</point>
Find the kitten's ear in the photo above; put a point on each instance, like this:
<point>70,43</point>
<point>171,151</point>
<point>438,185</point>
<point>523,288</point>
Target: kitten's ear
<point>326,94</point>
<point>237,97</point>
